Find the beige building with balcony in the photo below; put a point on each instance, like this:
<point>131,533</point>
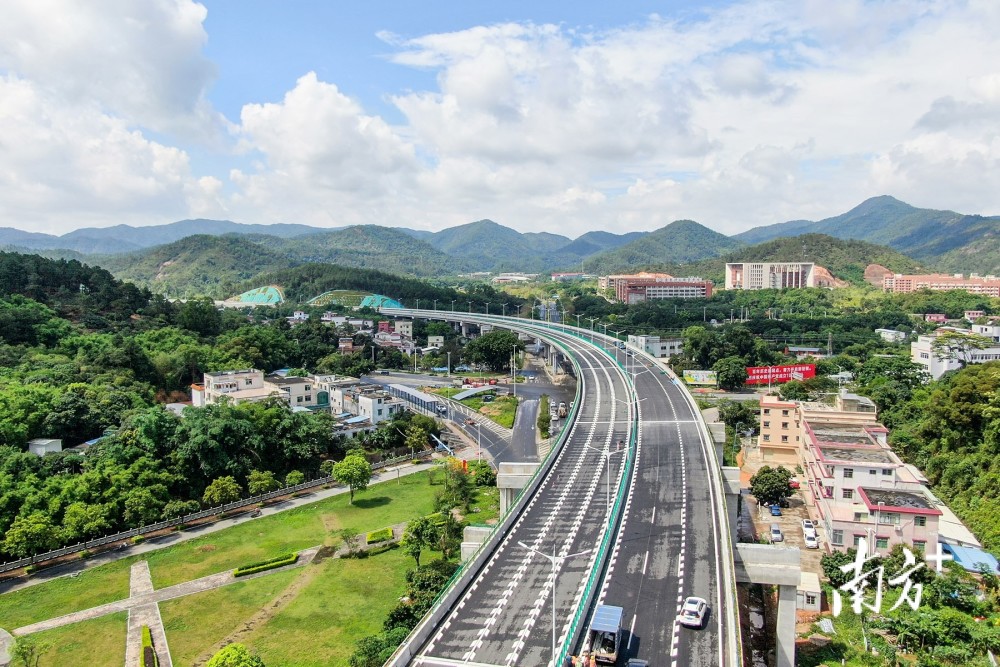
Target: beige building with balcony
<point>854,485</point>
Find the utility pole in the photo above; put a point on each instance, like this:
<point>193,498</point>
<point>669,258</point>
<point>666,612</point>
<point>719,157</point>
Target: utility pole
<point>829,344</point>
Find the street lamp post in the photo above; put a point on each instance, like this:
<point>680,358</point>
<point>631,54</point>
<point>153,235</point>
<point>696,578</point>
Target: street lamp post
<point>487,307</point>
<point>556,562</point>
<point>418,304</point>
<point>592,320</point>
<point>504,306</point>
<point>607,454</point>
<point>578,320</point>
<point>470,306</point>
<point>453,305</point>
<point>435,304</point>
<point>449,364</point>
<point>617,333</point>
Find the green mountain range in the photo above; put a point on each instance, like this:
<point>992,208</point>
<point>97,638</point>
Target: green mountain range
<point>948,240</point>
<point>680,242</point>
<point>225,254</point>
<point>845,259</point>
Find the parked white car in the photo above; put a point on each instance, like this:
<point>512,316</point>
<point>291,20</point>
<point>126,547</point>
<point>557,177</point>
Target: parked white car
<point>812,542</point>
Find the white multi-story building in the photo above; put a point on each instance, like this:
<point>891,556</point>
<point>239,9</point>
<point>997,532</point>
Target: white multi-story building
<point>404,327</point>
<point>938,362</point>
<point>891,335</point>
<point>238,386</point>
<point>770,275</point>
<point>656,346</point>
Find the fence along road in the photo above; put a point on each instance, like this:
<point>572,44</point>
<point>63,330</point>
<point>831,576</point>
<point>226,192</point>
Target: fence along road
<point>502,617</point>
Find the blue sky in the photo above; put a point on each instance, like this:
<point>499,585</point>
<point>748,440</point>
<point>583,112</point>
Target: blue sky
<point>565,117</point>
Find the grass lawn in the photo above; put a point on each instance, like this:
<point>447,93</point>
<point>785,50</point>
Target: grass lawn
<point>347,600</point>
<point>380,505</point>
<point>65,595</point>
<point>502,410</point>
<point>190,632</point>
<point>99,642</point>
<point>487,502</point>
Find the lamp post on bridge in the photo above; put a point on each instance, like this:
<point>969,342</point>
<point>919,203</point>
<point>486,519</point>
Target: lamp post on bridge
<point>592,320</point>
<point>504,306</point>
<point>556,562</point>
<point>607,454</point>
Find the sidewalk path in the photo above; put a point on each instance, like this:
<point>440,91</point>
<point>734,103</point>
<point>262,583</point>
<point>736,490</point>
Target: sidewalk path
<point>141,585</point>
<point>147,597</point>
<point>153,544</point>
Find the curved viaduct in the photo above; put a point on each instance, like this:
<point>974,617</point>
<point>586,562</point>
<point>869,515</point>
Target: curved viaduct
<point>664,537</point>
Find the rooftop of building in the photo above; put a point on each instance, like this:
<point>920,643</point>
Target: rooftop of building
<point>221,374</point>
<point>281,380</point>
<point>856,454</point>
<point>919,502</point>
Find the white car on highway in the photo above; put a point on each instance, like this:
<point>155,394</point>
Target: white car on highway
<point>693,612</point>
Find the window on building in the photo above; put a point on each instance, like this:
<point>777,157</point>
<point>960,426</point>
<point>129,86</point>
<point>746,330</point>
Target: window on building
<point>872,471</point>
<point>920,521</point>
<point>810,599</point>
<point>881,542</point>
<point>848,494</point>
<point>298,399</point>
<point>828,492</point>
<point>308,388</point>
<point>860,516</point>
<point>837,536</point>
<point>889,518</point>
<point>767,424</point>
<point>248,381</point>
<point>886,471</point>
<point>857,540</point>
<point>309,397</point>
<point>767,411</point>
<point>784,438</point>
<point>784,425</point>
<point>767,438</point>
<point>920,546</point>
<point>380,412</point>
<point>784,413</point>
<point>848,473</point>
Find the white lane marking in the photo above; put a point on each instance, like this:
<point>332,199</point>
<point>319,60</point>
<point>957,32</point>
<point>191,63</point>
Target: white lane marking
<point>631,633</point>
<point>645,561</point>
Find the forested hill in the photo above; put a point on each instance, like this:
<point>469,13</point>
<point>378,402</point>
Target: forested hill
<point>679,242</point>
<point>844,259</point>
<point>302,283</point>
<point>69,287</point>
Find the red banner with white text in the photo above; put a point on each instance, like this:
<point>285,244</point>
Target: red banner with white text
<point>779,374</point>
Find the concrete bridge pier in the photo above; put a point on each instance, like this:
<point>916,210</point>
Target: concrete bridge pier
<point>511,478</point>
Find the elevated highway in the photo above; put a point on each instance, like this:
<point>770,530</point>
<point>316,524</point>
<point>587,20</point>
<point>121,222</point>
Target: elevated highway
<point>671,540</point>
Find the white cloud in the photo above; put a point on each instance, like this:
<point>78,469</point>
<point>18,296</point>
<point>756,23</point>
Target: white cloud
<point>137,60</point>
<point>752,113</point>
<point>63,167</point>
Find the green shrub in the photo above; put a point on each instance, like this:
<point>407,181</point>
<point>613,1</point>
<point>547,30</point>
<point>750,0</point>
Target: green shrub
<point>138,539</point>
<point>149,658</point>
<point>31,569</point>
<point>270,564</point>
<point>379,536</point>
<point>380,549</point>
<point>86,553</point>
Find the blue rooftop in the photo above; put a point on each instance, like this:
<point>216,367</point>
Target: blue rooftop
<point>971,557</point>
<point>356,420</point>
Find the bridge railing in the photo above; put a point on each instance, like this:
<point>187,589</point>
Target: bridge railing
<point>464,576</point>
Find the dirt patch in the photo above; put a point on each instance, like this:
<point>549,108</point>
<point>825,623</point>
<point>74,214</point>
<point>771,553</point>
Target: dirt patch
<point>326,551</point>
<point>206,548</point>
<point>331,522</point>
<point>266,613</point>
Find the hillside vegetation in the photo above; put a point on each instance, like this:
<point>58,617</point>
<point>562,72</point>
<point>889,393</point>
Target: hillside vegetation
<point>950,240</point>
<point>682,241</point>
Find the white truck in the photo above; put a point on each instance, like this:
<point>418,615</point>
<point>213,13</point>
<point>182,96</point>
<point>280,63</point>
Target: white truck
<point>605,634</point>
